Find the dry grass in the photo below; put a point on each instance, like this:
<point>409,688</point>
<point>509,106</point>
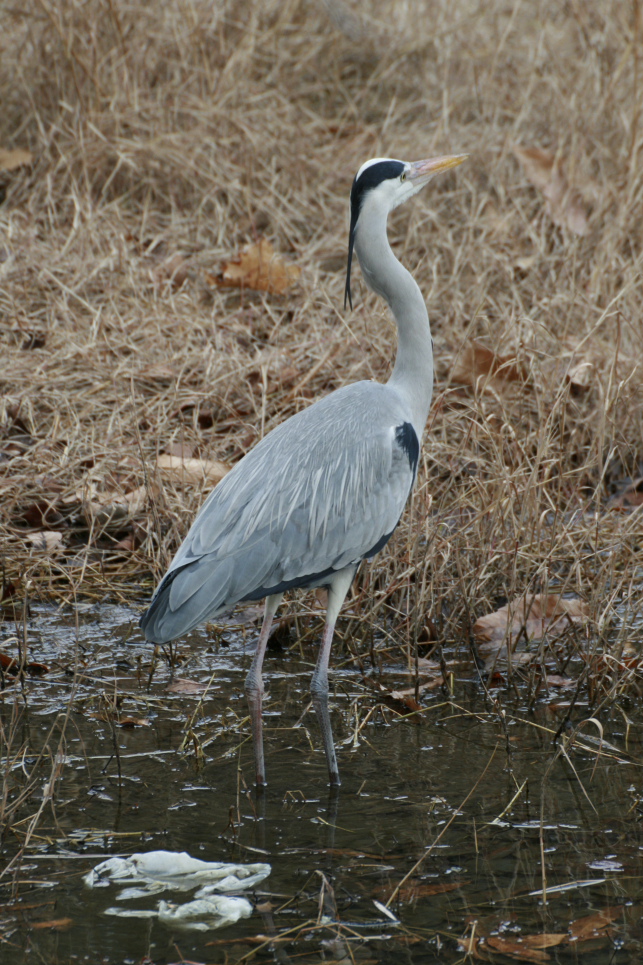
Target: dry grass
<point>193,128</point>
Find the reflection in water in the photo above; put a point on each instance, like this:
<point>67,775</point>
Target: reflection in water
<point>484,813</point>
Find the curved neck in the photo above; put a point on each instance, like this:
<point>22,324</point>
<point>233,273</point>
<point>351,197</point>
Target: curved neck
<point>412,375</point>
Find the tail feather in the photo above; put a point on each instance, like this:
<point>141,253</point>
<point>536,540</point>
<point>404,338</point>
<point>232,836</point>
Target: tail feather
<point>161,623</point>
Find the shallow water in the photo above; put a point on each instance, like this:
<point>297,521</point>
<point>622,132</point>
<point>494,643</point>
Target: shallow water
<point>435,789</point>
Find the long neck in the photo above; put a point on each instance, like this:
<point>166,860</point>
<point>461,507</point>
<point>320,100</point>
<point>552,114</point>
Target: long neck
<point>412,375</point>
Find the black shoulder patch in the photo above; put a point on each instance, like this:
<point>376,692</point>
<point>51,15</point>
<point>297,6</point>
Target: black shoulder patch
<point>407,440</point>
<point>370,178</point>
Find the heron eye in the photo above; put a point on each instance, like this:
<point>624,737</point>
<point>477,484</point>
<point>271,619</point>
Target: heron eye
<point>403,176</point>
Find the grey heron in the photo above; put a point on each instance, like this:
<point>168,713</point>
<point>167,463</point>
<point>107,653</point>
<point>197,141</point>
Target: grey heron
<point>326,488</point>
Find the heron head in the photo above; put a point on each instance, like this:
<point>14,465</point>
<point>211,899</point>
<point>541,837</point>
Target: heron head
<point>387,183</point>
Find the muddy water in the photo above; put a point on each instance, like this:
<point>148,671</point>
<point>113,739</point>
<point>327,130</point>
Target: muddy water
<point>435,791</point>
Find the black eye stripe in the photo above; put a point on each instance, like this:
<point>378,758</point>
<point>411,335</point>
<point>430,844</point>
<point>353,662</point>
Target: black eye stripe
<point>371,177</point>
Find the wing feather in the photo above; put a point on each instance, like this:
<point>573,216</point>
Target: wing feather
<point>316,494</point>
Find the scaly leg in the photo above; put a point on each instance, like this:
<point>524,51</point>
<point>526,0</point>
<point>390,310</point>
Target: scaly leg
<point>319,684</point>
<point>254,687</point>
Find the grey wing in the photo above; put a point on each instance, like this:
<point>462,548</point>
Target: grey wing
<point>323,490</point>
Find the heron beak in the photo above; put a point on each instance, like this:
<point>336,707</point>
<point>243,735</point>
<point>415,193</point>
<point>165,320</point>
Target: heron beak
<point>422,171</point>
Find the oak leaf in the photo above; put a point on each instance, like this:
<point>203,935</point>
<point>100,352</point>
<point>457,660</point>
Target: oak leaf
<point>260,267</point>
<point>566,204</point>
<point>181,685</point>
<point>14,158</point>
<point>479,366</point>
<point>591,926</point>
<point>529,618</point>
<point>630,498</point>
<point>515,948</point>
<point>188,470</point>
<point>47,541</point>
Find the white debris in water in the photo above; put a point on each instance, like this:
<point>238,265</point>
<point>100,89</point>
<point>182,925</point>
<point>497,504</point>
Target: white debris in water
<point>156,871</point>
<point>204,913</point>
<point>176,870</point>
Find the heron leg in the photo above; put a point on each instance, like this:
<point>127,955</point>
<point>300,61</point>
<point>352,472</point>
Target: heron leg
<point>319,684</point>
<point>254,687</point>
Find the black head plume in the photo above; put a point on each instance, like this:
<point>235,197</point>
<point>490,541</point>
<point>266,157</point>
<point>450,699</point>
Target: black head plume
<point>351,242</point>
<point>366,179</point>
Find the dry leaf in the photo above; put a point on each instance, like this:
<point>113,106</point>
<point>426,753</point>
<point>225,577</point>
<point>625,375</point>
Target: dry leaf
<point>528,618</point>
<point>579,377</point>
<point>259,267</point>
<point>173,272</point>
<point>183,686</point>
<point>11,665</point>
<point>479,366</point>
<point>591,926</point>
<point>514,948</point>
<point>47,541</point>
<point>429,668</point>
<point>37,669</point>
<point>15,158</point>
<point>401,701</point>
<point>57,924</point>
<point>554,680</point>
<point>242,618</point>
<point>473,947</point>
<point>134,722</point>
<point>8,664</point>
<point>126,545</point>
<point>113,506</point>
<point>423,889</point>
<point>546,940</point>
<point>564,202</point>
<point>410,691</point>
<point>630,498</point>
<point>181,449</point>
<point>156,373</point>
<point>193,471</point>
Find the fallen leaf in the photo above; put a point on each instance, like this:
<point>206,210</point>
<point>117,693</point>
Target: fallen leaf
<point>422,889</point>
<point>47,541</point>
<point>40,514</point>
<point>630,498</point>
<point>565,203</point>
<point>529,618</point>
<point>429,668</point>
<point>134,722</point>
<point>515,948</point>
<point>260,267</point>
<point>546,940</point>
<point>401,701</point>
<point>410,691</point>
<point>554,680</point>
<point>183,686</point>
<point>111,507</point>
<point>579,377</point>
<point>37,669</point>
<point>126,545</point>
<point>57,924</point>
<point>472,946</point>
<point>11,599</point>
<point>157,372</point>
<point>480,367</point>
<point>591,926</point>
<point>173,272</point>
<point>241,618</point>
<point>182,470</point>
<point>183,450</point>
<point>406,701</point>
<point>8,664</point>
<point>14,158</point>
